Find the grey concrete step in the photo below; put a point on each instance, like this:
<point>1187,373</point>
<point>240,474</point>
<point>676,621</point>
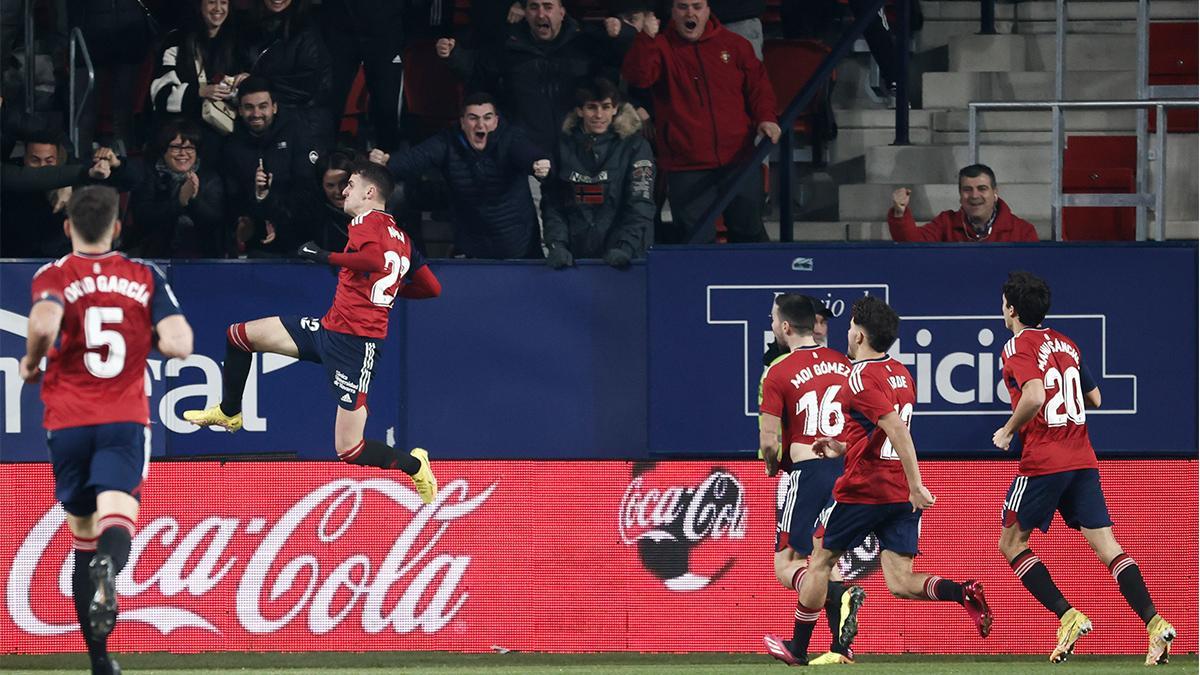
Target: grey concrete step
<point>1036,53</point>
<point>1043,10</point>
<point>877,230</point>
<point>852,143</point>
<point>860,118</point>
<point>916,164</point>
<point>955,90</point>
<point>870,201</point>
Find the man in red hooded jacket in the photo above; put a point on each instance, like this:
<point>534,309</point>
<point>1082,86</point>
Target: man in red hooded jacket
<point>711,99</point>
<point>983,216</point>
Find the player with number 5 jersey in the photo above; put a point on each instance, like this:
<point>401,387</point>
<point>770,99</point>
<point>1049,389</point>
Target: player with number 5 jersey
<point>378,265</point>
<point>1050,388</point>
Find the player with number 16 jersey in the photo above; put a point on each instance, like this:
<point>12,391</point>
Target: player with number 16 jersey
<point>376,267</point>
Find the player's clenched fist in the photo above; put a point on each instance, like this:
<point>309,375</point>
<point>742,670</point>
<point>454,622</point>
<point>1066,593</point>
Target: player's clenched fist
<point>29,370</point>
<point>541,168</point>
<point>379,157</point>
<point>920,497</point>
<point>612,26</point>
<point>444,46</point>
<point>900,201</point>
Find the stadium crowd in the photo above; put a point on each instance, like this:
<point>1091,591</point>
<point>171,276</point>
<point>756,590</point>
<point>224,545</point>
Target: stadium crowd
<point>227,136</point>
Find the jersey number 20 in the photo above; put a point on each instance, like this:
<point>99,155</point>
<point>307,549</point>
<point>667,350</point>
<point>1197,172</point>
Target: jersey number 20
<point>1067,401</point>
<point>97,336</point>
<point>396,266</point>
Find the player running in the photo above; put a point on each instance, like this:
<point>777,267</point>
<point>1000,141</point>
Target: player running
<point>801,399</point>
<point>881,489</point>
<point>376,267</point>
<point>106,311</point>
<point>1049,387</point>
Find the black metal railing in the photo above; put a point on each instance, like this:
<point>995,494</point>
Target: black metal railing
<point>805,96</point>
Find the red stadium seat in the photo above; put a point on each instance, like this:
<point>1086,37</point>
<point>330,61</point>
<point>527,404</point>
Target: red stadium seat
<point>790,64</point>
<point>1100,165</point>
<point>1173,61</point>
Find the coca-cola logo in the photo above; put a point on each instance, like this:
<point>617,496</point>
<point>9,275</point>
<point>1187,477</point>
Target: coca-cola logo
<point>289,572</point>
<point>670,522</point>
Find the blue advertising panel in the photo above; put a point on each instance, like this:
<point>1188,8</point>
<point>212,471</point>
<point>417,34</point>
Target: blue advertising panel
<point>709,322</point>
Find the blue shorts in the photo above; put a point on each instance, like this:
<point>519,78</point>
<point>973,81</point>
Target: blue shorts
<point>95,459</point>
<point>348,359</point>
<point>1032,500</point>
<point>845,526</point>
<point>803,492</point>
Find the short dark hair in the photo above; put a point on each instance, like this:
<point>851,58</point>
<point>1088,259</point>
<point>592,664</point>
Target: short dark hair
<point>185,129</point>
<point>879,321</point>
<point>253,85</point>
<point>376,175</point>
<point>478,98</point>
<point>797,310</point>
<point>975,171</point>
<point>44,136</point>
<point>92,211</point>
<point>1029,295</point>
<point>596,89</point>
<point>338,159</point>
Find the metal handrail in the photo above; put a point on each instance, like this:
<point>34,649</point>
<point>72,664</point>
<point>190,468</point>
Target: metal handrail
<point>77,38</point>
<point>1141,200</point>
<point>788,119</point>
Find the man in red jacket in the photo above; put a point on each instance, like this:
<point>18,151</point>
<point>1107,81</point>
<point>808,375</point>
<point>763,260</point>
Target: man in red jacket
<point>983,216</point>
<point>712,99</point>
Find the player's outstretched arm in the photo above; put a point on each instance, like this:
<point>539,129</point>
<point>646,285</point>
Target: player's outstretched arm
<point>44,321</point>
<point>902,442</point>
<point>174,337</point>
<point>421,284</point>
<point>1033,397</point>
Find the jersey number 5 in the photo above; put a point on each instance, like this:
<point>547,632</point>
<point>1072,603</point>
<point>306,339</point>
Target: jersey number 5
<point>905,413</point>
<point>97,336</point>
<point>396,266</point>
<point>1067,401</point>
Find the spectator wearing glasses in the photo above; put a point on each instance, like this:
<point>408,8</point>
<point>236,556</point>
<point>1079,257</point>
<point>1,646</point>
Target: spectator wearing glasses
<point>175,202</point>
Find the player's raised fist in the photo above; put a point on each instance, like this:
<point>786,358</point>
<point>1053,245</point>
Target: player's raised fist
<point>612,26</point>
<point>379,157</point>
<point>310,251</point>
<point>516,13</point>
<point>541,168</point>
<point>443,46</point>
<point>900,199</point>
<point>651,25</point>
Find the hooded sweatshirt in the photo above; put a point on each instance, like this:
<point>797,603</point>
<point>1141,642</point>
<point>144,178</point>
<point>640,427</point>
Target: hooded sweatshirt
<point>709,95</point>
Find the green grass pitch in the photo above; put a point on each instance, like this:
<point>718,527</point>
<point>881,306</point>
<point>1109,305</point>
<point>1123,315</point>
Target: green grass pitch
<point>442,663</point>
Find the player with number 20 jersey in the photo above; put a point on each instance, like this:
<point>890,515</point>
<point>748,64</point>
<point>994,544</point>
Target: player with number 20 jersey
<point>1050,387</point>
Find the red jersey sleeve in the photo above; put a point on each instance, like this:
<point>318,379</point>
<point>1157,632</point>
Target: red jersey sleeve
<point>868,396</point>
<point>47,284</point>
<point>772,394</point>
<point>1023,364</point>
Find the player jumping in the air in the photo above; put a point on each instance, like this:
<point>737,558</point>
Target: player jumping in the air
<point>1049,386</point>
<point>802,396</point>
<point>881,489</point>
<point>105,310</point>
<point>376,266</point>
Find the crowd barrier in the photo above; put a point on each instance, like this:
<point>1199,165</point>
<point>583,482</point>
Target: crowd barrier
<point>516,361</point>
<point>558,556</point>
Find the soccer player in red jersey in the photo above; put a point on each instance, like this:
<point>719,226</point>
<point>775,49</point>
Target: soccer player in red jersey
<point>376,267</point>
<point>802,397</point>
<point>1050,387</point>
<point>880,490</point>
<point>106,311</point>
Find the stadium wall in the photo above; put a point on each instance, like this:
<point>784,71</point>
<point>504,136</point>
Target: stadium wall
<point>556,556</point>
<point>516,361</point>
